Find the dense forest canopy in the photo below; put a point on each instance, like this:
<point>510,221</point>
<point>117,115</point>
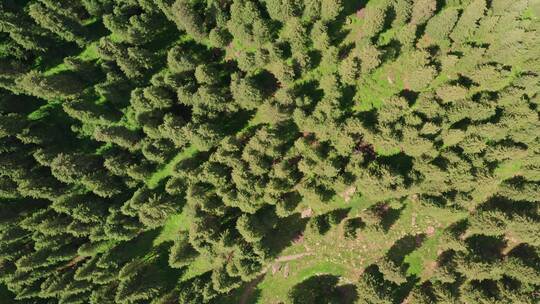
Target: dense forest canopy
<point>269,151</point>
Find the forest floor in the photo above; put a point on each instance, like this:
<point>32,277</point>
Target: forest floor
<point>251,287</point>
<point>411,234</point>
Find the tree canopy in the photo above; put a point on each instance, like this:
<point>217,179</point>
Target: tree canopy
<point>175,151</point>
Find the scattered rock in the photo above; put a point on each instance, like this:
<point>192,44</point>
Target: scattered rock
<point>348,193</point>
<point>306,213</point>
<point>361,13</point>
<point>275,268</point>
<point>298,239</point>
<point>419,240</point>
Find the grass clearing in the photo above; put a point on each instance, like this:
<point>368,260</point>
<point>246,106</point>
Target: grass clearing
<point>200,265</point>
<point>275,287</point>
<point>167,170</point>
<point>426,253</point>
<point>44,110</point>
<point>88,54</point>
<point>508,169</point>
<point>174,224</point>
<point>333,253</point>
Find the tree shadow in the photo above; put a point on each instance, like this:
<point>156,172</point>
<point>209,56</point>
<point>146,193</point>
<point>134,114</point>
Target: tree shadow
<point>285,231</point>
<point>135,247</point>
<point>400,162</point>
<point>96,30</point>
<point>402,291</point>
<point>350,7</point>
<point>384,215</point>
<point>486,248</point>
<point>266,82</point>
<point>404,246</point>
<point>526,253</point>
<point>255,297</point>
<point>510,207</point>
<point>312,93</point>
<point>335,28</point>
<point>390,50</point>
<point>8,297</point>
<point>322,223</point>
<point>390,217</point>
<point>247,293</point>
<point>336,216</point>
<point>377,288</point>
<point>24,104</point>
<point>352,225</point>
<point>409,95</point>
<point>347,100</point>
<point>56,54</point>
<point>384,291</point>
<point>348,293</point>
<point>234,122</point>
<point>323,289</point>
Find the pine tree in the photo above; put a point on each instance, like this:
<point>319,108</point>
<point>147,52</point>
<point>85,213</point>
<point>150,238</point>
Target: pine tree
<point>181,253</point>
<point>188,18</point>
<point>468,20</point>
<point>330,9</point>
<point>372,290</point>
<point>438,28</point>
<point>391,271</point>
<point>60,24</point>
<point>121,136</point>
<point>223,282</point>
<point>422,10</point>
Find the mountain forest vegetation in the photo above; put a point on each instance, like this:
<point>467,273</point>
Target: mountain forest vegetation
<point>269,151</point>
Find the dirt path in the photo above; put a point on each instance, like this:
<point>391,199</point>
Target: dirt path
<point>292,257</point>
<point>250,288</point>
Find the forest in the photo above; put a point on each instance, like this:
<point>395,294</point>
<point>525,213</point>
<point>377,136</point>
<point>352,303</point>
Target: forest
<point>269,151</point>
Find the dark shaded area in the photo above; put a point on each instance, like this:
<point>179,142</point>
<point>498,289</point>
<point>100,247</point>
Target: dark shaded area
<point>323,289</point>
<point>9,298</point>
<point>409,95</point>
<point>486,248</point>
<point>400,162</point>
<point>352,225</point>
<point>390,217</point>
<point>404,246</point>
<point>286,230</point>
<point>322,223</point>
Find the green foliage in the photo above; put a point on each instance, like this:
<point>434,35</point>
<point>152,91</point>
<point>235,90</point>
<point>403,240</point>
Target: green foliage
<point>189,18</point>
<point>320,151</point>
<point>61,23</point>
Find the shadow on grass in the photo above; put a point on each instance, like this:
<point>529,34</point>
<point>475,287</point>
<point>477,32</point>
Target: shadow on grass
<point>351,227</point>
<point>323,289</point>
<point>405,246</point>
<point>322,223</point>
<point>390,217</point>
<point>287,229</point>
